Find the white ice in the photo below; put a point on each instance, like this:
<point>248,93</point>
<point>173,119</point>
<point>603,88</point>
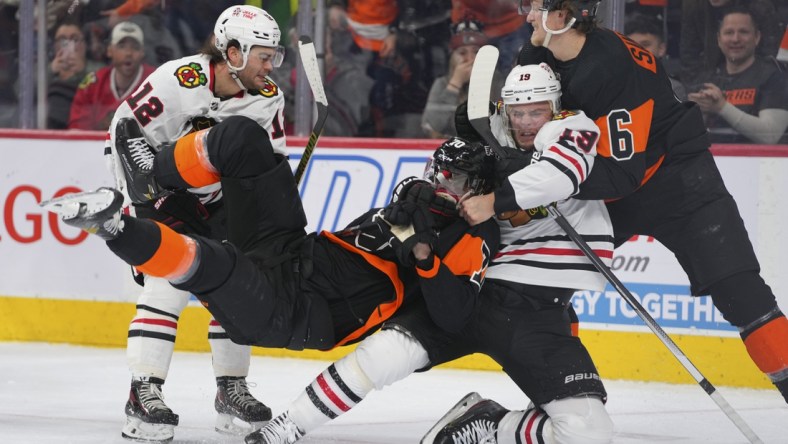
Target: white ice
<point>68,394</point>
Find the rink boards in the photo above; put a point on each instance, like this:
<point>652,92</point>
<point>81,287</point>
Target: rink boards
<point>57,285</point>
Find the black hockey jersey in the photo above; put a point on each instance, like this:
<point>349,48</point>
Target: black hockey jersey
<point>626,91</point>
<point>365,285</point>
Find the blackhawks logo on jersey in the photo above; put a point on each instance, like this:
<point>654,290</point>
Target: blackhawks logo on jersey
<point>564,114</point>
<point>87,80</point>
<point>269,89</point>
<point>191,75</point>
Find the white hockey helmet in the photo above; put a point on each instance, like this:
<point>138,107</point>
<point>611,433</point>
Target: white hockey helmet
<point>532,84</point>
<point>249,26</point>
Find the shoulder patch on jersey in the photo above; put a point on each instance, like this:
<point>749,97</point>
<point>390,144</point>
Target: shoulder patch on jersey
<point>88,80</point>
<point>191,75</point>
<point>563,114</point>
<point>269,89</point>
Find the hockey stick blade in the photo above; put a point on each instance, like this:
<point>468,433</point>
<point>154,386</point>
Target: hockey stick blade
<point>306,49</point>
<point>479,95</point>
<point>652,324</point>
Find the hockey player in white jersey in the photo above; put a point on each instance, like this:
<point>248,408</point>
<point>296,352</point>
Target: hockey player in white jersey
<point>521,316</point>
<point>181,97</point>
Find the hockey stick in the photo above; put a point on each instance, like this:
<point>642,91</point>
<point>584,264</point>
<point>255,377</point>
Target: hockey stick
<point>309,61</point>
<point>489,58</point>
<point>482,74</point>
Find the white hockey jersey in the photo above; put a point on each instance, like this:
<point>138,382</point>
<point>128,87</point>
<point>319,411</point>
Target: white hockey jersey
<point>178,98</point>
<point>539,252</point>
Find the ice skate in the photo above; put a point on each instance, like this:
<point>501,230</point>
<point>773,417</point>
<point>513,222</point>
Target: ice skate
<point>238,411</point>
<point>148,419</point>
<point>472,420</point>
<point>97,212</point>
<point>136,157</point>
<point>281,430</point>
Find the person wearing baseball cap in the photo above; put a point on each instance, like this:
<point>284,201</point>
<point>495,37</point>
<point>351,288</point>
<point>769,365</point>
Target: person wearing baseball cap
<point>102,91</point>
<point>448,91</point>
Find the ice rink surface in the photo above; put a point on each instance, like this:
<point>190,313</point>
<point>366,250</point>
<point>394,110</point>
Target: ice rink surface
<point>68,394</point>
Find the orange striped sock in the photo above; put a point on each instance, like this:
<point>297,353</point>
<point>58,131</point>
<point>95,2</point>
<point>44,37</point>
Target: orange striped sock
<point>191,160</point>
<point>174,256</point>
<point>768,347</point>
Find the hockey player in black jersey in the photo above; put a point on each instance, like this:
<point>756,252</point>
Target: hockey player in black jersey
<point>271,284</point>
<point>656,172</point>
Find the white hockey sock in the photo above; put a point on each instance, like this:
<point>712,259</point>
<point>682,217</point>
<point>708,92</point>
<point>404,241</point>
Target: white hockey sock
<point>338,389</point>
<point>532,425</point>
<point>228,358</point>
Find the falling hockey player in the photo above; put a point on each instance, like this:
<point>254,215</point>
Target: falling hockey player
<point>272,285</point>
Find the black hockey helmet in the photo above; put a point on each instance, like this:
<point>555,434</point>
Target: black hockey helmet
<point>459,166</point>
<point>586,9</point>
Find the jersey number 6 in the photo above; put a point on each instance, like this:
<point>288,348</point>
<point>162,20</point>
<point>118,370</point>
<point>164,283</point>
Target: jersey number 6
<point>145,111</point>
<point>622,143</point>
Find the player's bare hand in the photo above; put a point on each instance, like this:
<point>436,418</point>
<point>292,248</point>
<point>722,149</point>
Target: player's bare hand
<point>477,209</point>
<point>389,45</point>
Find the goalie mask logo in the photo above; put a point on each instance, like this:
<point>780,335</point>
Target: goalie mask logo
<point>191,75</point>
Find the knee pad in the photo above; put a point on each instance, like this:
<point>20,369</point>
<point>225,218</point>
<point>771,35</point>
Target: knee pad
<point>403,356</point>
<point>579,420</point>
<point>158,295</point>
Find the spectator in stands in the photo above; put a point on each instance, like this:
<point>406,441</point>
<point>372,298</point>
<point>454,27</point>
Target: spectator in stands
<point>68,67</point>
<point>102,91</point>
<point>503,25</point>
<point>700,20</point>
<point>346,83</point>
<point>746,98</point>
<point>648,33</point>
<point>448,91</point>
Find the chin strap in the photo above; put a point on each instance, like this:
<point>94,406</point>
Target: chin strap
<point>550,32</point>
<point>234,70</point>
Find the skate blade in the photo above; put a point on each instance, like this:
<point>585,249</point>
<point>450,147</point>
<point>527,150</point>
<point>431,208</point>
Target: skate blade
<point>136,429</point>
<point>230,425</point>
<point>68,206</point>
<point>455,412</point>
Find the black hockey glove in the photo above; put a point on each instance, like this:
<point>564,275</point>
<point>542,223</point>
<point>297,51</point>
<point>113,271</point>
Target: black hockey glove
<point>463,125</point>
<point>444,211</point>
<point>415,224</point>
<point>514,160</point>
<point>182,211</point>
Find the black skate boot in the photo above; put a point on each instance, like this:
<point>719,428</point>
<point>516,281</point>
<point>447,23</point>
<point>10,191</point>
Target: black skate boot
<point>281,430</point>
<point>97,212</point>
<point>148,418</point>
<point>478,424</point>
<point>233,401</point>
<point>136,157</point>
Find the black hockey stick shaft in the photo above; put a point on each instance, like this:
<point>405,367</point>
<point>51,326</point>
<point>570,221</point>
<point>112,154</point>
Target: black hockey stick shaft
<point>306,49</point>
<point>652,324</point>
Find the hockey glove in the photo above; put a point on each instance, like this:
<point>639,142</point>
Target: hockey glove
<point>463,125</point>
<point>182,211</point>
<point>514,160</point>
<point>422,193</point>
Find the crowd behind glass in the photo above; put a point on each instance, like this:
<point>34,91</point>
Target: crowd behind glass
<point>406,77</point>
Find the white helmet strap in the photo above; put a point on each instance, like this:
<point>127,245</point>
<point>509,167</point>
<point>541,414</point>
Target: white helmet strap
<point>234,70</point>
<point>550,32</point>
